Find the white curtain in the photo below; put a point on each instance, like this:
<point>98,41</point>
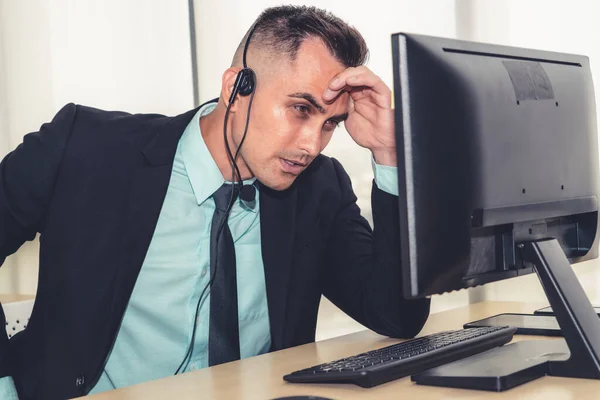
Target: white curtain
<point>8,275</point>
<point>3,107</point>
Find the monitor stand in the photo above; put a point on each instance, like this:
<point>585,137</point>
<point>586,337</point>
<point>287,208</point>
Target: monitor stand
<point>516,363</point>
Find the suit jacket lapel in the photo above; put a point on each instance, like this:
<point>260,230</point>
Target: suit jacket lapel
<point>149,183</point>
<point>277,211</point>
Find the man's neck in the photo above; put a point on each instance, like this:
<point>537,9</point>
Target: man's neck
<point>211,127</point>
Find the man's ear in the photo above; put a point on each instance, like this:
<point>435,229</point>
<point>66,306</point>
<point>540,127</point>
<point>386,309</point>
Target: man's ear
<point>228,80</point>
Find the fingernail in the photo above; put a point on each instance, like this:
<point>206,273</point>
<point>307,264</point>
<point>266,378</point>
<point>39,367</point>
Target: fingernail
<point>352,79</point>
<point>328,94</point>
<point>335,81</point>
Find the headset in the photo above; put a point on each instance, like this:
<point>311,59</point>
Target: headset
<point>244,85</point>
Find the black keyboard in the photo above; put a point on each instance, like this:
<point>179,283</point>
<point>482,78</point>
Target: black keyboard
<point>410,357</point>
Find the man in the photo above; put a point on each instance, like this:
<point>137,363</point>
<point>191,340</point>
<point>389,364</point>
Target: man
<point>131,210</point>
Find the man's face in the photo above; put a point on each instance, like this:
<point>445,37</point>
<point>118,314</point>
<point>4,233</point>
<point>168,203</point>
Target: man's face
<point>290,123</point>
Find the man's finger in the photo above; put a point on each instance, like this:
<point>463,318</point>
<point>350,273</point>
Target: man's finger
<point>338,82</point>
<point>355,79</point>
<point>330,95</point>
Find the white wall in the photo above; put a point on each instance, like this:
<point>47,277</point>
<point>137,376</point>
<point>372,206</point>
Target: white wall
<point>114,54</point>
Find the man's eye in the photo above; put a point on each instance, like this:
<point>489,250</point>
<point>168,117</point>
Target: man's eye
<point>332,124</point>
<point>302,108</point>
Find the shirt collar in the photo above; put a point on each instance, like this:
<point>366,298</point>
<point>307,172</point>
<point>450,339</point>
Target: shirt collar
<point>203,173</point>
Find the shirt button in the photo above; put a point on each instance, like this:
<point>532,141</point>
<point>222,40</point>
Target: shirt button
<point>203,272</point>
<point>79,382</point>
<point>193,367</point>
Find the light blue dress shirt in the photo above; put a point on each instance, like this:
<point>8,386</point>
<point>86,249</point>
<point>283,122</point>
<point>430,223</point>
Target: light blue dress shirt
<point>159,320</point>
<point>160,317</point>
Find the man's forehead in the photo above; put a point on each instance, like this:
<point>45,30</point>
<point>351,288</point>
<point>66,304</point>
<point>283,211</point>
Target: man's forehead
<point>308,74</point>
<point>313,69</point>
<point>313,55</point>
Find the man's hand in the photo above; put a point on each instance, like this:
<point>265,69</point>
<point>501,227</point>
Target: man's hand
<point>370,116</point>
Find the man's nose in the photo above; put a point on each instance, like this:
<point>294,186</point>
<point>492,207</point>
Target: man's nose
<point>310,142</point>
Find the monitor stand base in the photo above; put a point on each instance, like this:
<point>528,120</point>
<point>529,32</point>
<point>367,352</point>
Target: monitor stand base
<point>575,356</point>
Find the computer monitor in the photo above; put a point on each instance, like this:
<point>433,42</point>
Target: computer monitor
<point>498,175</point>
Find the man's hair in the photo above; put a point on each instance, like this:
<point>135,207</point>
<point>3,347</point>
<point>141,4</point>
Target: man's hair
<point>282,30</point>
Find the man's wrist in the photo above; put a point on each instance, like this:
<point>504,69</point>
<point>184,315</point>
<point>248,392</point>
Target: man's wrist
<point>386,177</point>
<point>385,157</point>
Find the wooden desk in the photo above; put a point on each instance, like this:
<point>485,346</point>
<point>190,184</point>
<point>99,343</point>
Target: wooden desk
<point>12,297</point>
<point>261,377</point>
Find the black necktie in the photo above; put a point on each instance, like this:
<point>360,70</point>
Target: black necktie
<point>224,338</point>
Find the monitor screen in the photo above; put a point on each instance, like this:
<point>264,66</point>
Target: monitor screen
<point>496,146</point>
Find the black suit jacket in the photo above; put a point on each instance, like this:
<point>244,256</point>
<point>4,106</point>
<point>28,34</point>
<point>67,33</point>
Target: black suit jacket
<point>92,183</point>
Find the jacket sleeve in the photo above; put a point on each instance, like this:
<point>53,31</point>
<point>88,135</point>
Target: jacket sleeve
<point>364,276</point>
<point>27,177</point>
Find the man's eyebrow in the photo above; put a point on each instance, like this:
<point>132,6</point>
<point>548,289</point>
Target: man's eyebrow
<point>311,99</point>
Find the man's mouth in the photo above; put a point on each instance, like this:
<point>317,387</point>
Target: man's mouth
<point>292,166</point>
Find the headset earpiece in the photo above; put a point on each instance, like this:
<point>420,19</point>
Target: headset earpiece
<point>248,81</point>
<point>244,84</point>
